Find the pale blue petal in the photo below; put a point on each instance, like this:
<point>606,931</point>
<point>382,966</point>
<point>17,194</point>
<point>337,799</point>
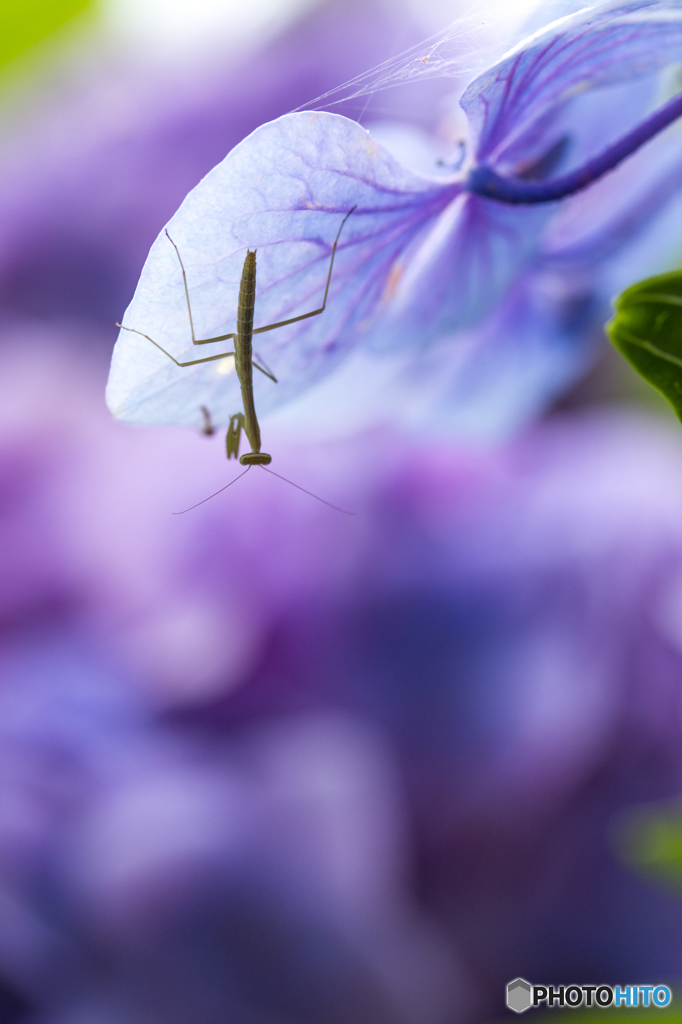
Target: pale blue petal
<point>600,46</point>
<point>482,384</point>
<point>465,264</point>
<point>534,345</point>
<point>284,190</point>
<point>566,137</point>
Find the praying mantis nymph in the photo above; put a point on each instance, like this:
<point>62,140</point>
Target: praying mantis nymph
<point>243,360</point>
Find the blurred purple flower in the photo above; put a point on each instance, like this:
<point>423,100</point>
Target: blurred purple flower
<point>260,762</point>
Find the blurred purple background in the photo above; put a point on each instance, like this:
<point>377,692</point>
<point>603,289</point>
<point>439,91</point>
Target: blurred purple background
<point>265,763</point>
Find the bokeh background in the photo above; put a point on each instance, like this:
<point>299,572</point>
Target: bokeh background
<point>263,763</point>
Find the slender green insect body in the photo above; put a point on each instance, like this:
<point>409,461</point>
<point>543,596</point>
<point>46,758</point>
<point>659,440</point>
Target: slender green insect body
<point>244,362</point>
<point>243,353</point>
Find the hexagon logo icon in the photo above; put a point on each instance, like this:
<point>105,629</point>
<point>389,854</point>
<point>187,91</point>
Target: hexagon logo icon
<point>519,995</point>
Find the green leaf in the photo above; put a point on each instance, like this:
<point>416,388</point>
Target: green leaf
<point>597,1015</point>
<point>24,24</point>
<point>650,840</point>
<point>647,330</point>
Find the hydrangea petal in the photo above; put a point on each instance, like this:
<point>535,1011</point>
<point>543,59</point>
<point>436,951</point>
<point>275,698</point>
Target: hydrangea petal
<point>596,47</point>
<point>284,190</point>
<point>534,345</point>
<point>465,265</point>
